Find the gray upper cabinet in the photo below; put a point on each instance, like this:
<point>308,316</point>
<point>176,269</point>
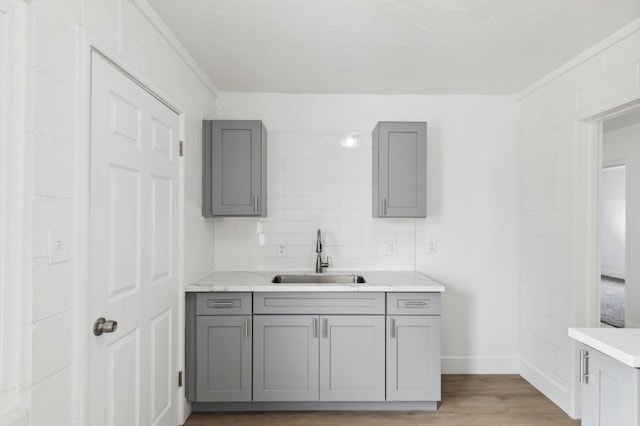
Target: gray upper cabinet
<point>234,175</point>
<point>400,169</point>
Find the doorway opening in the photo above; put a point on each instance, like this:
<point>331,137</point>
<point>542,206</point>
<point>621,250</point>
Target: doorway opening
<point>612,245</point>
<point>619,223</point>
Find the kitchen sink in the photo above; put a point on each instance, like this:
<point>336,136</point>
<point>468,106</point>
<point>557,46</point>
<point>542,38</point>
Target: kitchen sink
<point>318,279</point>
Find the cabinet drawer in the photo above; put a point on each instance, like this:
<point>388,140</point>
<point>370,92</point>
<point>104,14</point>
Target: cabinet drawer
<point>318,303</point>
<point>223,304</point>
<point>413,303</point>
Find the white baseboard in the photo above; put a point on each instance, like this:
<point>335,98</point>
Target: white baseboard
<point>480,365</point>
<point>550,388</point>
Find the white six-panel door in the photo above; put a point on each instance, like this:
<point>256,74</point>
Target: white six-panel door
<point>134,257</point>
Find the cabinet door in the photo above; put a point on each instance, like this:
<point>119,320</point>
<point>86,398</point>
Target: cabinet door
<point>223,358</point>
<point>285,358</point>
<point>413,358</point>
<point>400,169</point>
<point>238,168</point>
<point>610,396</point>
<point>352,358</point>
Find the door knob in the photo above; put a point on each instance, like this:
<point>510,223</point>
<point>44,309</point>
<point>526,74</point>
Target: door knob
<point>104,326</point>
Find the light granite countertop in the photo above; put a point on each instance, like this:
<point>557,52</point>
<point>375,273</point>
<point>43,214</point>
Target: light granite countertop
<point>400,281</point>
<point>622,344</point>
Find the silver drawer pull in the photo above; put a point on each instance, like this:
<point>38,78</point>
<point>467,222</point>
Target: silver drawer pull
<point>393,328</point>
<point>255,205</point>
<point>246,328</point>
<point>315,327</point>
<point>221,303</point>
<point>325,328</point>
<point>415,302</point>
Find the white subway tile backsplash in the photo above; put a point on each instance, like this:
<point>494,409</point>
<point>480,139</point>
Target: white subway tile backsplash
<point>315,182</point>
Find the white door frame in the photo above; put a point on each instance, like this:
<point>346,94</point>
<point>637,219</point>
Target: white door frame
<point>585,233</point>
<point>88,46</point>
<point>14,290</point>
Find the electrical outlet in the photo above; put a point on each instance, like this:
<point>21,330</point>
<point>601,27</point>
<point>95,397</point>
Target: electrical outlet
<point>390,248</point>
<point>282,250</point>
<point>57,247</point>
<point>432,246</point>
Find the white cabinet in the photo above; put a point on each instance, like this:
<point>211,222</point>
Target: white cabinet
<point>610,390</point>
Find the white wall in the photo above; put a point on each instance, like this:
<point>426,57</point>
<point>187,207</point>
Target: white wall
<point>560,166</point>
<point>472,206</point>
<point>612,220</point>
<point>56,138</point>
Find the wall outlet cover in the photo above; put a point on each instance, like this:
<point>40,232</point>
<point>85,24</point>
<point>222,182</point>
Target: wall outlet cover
<point>390,248</point>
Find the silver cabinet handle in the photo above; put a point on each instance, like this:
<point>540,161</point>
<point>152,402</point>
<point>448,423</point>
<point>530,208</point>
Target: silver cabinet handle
<point>222,302</point>
<point>104,326</point>
<point>414,302</point>
<point>393,328</point>
<point>384,207</point>
<point>315,327</point>
<point>255,205</point>
<point>246,328</point>
<point>325,328</point>
<point>584,366</point>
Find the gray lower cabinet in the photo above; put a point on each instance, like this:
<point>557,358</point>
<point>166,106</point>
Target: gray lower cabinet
<point>352,358</point>
<point>234,174</point>
<point>413,358</point>
<point>400,169</point>
<point>312,350</point>
<point>610,391</point>
<point>223,358</point>
<point>413,347</point>
<point>285,358</point>
<point>318,358</point>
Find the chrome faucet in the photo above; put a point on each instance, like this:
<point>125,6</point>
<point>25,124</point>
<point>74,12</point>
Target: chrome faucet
<point>319,263</point>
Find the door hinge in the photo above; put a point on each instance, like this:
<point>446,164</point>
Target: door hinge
<point>181,149</point>
<point>179,379</point>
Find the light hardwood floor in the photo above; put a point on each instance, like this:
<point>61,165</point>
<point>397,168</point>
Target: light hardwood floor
<point>476,400</point>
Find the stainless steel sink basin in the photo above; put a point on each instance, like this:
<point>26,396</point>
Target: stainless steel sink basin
<point>318,279</point>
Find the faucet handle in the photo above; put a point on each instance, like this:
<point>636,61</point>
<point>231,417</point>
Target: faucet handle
<point>326,264</point>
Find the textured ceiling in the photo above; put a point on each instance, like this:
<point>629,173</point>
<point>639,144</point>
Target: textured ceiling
<point>388,46</point>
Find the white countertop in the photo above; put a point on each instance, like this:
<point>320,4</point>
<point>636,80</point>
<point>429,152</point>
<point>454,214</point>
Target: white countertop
<point>401,281</point>
<point>622,344</point>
